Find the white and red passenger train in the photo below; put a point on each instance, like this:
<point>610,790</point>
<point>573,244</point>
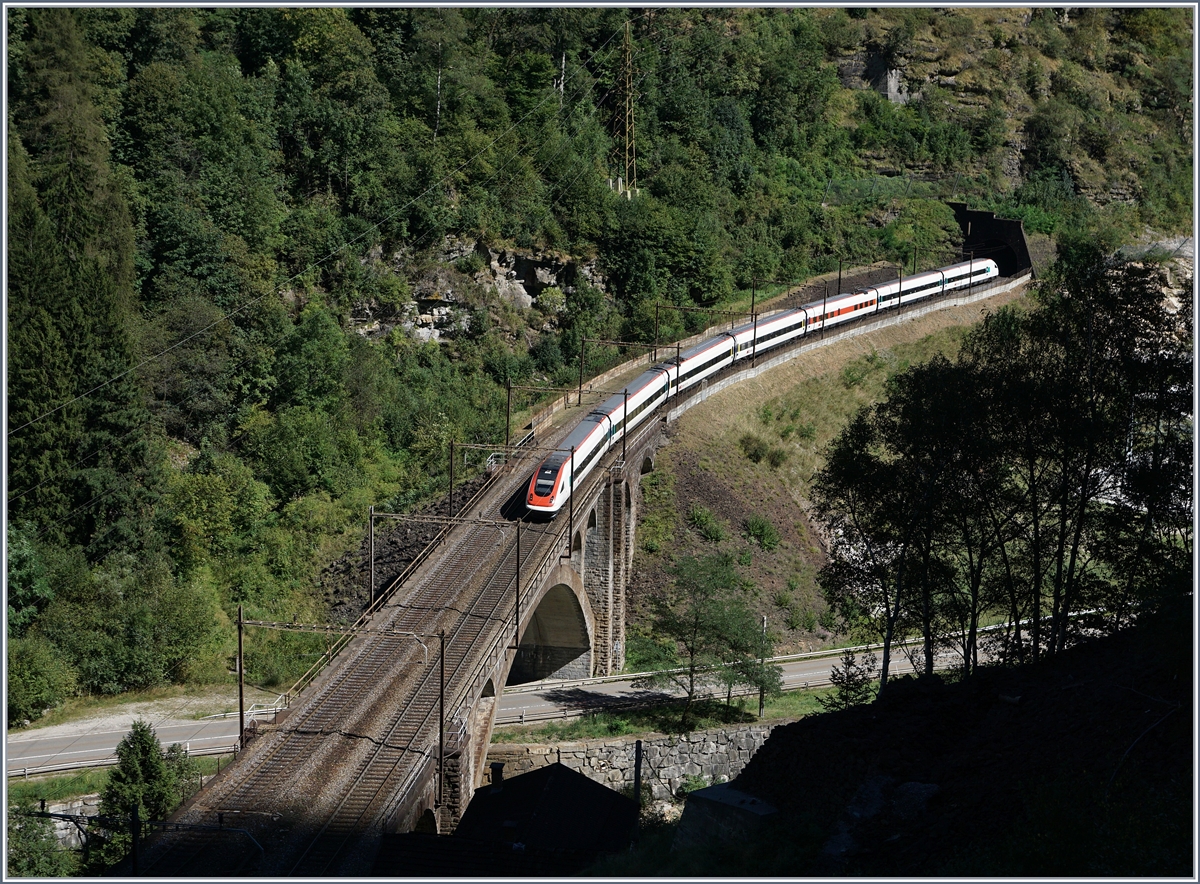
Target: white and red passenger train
<point>552,482</point>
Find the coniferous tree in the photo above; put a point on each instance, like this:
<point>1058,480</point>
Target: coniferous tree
<point>851,681</point>
<point>108,463</point>
<point>141,779</point>
<point>44,425</point>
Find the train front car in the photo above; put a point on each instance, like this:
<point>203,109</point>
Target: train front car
<point>548,487</point>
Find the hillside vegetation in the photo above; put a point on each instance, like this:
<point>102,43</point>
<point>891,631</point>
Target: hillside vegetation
<point>795,411</point>
<point>227,226</point>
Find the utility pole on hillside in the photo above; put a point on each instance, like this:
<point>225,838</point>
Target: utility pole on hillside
<point>630,149</point>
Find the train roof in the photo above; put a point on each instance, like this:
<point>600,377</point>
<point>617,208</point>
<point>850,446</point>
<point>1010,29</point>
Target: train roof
<point>579,435</point>
<point>714,341</point>
<point>615,401</point>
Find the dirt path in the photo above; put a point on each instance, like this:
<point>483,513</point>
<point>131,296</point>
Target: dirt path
<point>179,707</point>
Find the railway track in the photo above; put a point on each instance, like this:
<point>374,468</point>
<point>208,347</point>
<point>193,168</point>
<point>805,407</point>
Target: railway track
<point>309,791</point>
<point>383,775</point>
<point>371,723</point>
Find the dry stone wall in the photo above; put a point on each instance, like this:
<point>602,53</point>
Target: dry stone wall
<point>714,755</point>
<point>67,832</point>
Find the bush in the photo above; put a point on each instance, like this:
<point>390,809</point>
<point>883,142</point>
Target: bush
<point>745,558</point>
<point>760,529</point>
<point>38,678</point>
<point>783,598</point>
<point>470,264</point>
<point>828,619</point>
<point>853,374</point>
<point>546,353</point>
<point>552,300</point>
<point>706,523</point>
<point>754,447</point>
<point>776,457</point>
<point>691,783</point>
<point>300,450</point>
<point>804,432</point>
<point>794,619</point>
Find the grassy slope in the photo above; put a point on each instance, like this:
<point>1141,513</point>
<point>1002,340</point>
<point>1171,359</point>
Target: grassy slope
<point>798,407</point>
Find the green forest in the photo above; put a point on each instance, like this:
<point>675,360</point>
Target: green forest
<point>220,223</point>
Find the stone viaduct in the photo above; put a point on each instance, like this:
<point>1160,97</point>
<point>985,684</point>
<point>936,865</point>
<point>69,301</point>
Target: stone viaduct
<point>576,595</point>
<point>570,575</point>
<point>572,621</point>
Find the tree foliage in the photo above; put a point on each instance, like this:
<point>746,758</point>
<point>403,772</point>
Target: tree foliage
<point>1041,475</point>
<point>851,681</point>
<point>718,639</point>
<point>33,849</point>
<point>146,779</point>
<point>38,678</point>
<point>207,206</point>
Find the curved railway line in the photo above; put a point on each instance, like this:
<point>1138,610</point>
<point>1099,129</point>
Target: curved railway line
<point>330,773</point>
<point>333,771</point>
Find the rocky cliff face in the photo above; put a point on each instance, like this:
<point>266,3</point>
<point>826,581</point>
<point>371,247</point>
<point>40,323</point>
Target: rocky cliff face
<point>971,66</point>
<point>462,270</point>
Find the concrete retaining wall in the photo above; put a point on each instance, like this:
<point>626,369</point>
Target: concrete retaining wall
<point>716,754</point>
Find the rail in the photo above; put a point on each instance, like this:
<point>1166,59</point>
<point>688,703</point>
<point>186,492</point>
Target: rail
<point>487,646</point>
<point>531,581</point>
<point>458,695</point>
<point>342,641</point>
<point>559,403</point>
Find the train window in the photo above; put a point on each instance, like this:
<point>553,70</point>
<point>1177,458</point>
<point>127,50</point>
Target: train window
<point>545,480</point>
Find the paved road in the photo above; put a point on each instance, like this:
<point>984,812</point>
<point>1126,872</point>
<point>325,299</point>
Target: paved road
<point>545,701</point>
<point>46,751</point>
<point>65,752</point>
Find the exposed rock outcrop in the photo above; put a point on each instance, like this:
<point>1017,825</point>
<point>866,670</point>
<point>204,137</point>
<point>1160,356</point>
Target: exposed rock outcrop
<point>444,289</point>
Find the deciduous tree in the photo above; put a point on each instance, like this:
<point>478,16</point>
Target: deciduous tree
<point>33,849</point>
<point>716,634</point>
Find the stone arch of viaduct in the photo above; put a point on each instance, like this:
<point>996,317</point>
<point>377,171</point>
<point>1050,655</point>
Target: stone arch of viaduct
<point>573,625</point>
